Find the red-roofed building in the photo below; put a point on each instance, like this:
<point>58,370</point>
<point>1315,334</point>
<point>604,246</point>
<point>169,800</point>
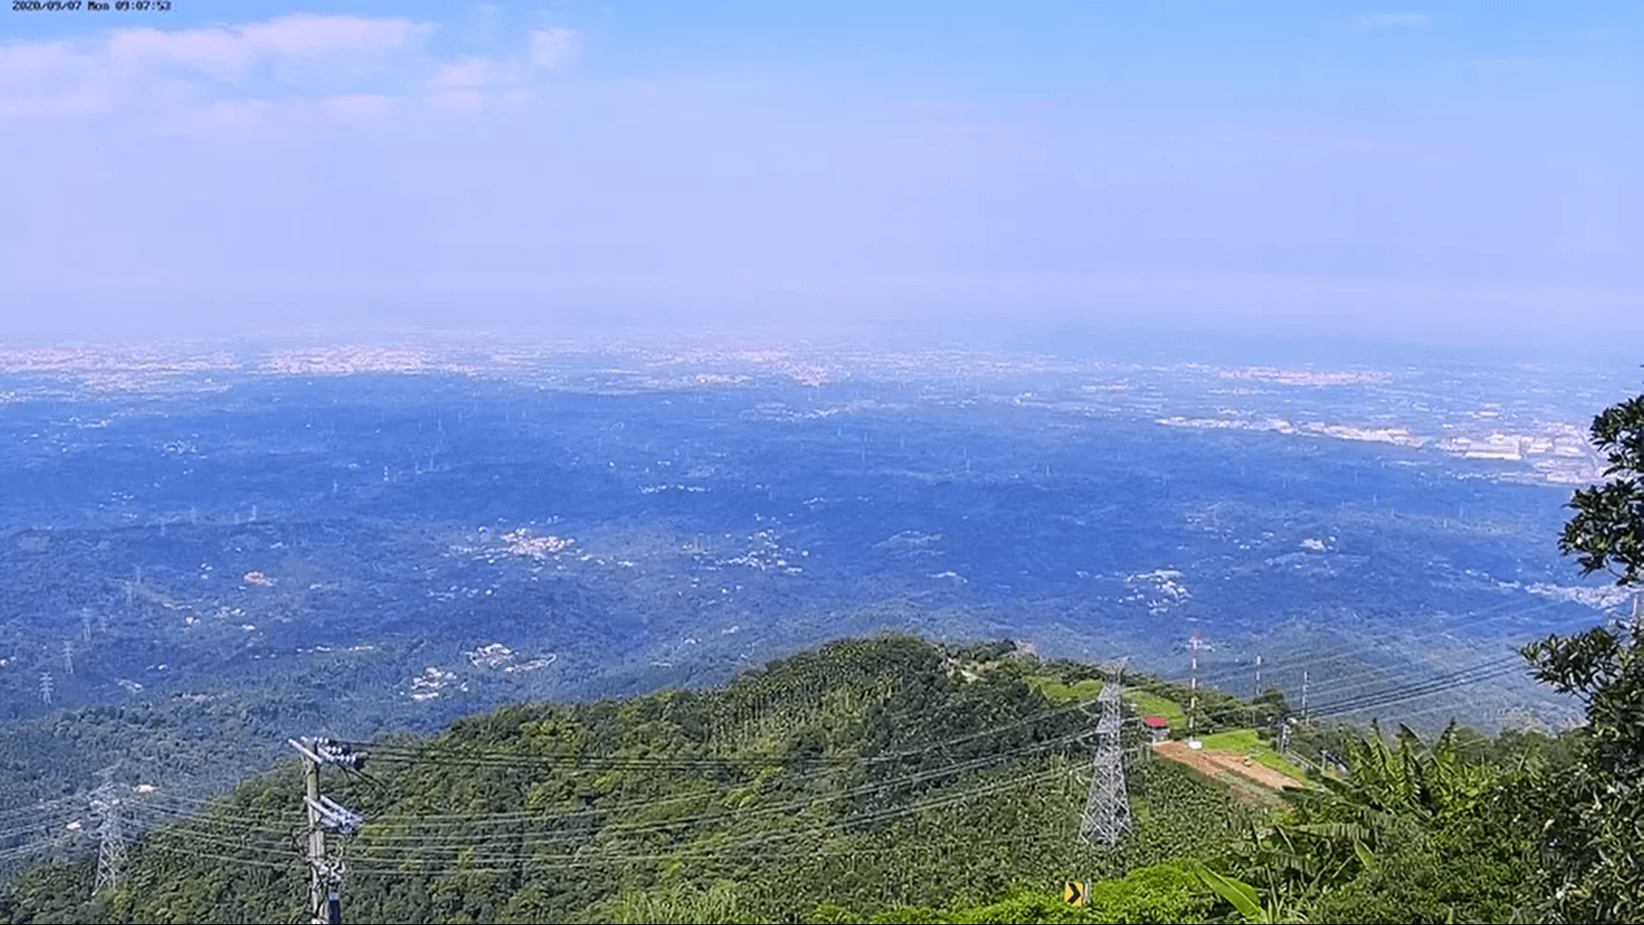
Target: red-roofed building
<point>1159,726</point>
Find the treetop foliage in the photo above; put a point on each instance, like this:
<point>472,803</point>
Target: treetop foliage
<point>1591,818</point>
<point>1607,531</point>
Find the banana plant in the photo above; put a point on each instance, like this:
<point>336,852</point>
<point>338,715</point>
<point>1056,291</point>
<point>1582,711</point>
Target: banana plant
<point>1244,898</point>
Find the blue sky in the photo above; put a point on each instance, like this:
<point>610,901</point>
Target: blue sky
<point>1438,173</point>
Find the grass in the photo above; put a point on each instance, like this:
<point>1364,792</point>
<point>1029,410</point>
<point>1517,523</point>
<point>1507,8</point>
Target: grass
<point>1246,741</point>
<point>1154,705</point>
<point>1147,704</point>
<point>1057,692</point>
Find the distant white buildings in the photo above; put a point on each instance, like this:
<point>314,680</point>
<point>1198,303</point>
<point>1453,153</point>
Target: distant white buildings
<point>1558,452</point>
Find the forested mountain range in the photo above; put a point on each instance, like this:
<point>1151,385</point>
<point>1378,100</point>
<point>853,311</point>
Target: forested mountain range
<point>887,779</point>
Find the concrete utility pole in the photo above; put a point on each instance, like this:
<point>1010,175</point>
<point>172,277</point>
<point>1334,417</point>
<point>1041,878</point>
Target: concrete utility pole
<point>1107,808</point>
<point>325,875</point>
<point>316,839</point>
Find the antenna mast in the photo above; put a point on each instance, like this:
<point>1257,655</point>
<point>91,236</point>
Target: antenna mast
<point>1193,690</point>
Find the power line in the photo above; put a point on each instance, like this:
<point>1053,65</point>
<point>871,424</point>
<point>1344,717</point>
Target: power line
<point>1231,674</point>
<point>1400,694</point>
<point>369,852</point>
<point>807,802</point>
<point>1235,674</point>
<point>474,757</point>
<point>473,851</point>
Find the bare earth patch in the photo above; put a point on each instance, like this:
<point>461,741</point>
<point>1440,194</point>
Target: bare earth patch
<point>1215,762</point>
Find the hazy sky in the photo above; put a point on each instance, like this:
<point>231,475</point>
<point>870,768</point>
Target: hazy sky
<point>1423,172</point>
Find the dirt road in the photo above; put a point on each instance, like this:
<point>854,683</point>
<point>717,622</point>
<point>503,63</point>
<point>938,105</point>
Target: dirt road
<point>1217,762</point>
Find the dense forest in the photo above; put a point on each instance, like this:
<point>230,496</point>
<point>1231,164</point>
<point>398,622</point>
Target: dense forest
<point>866,776</point>
<point>889,779</point>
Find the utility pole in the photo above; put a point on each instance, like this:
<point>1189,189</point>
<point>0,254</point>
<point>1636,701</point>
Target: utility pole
<point>1256,694</point>
<point>1107,808</point>
<point>1304,695</point>
<point>324,874</point>
<point>1193,689</point>
<point>45,687</point>
<point>316,837</point>
<point>111,847</point>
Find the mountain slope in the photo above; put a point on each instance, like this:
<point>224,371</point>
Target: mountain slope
<point>862,776</point>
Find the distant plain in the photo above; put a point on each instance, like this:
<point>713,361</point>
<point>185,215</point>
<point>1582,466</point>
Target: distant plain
<point>274,541</point>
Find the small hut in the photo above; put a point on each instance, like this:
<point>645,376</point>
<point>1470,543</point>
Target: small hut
<point>1158,726</point>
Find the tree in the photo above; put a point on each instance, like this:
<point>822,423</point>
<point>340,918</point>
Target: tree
<point>1417,833</point>
<point>1607,532</point>
<point>1593,862</point>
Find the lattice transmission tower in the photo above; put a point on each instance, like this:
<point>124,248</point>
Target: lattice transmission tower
<point>111,847</point>
<point>1107,809</point>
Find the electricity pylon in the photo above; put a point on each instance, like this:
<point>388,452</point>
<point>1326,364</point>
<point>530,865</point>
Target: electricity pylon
<point>111,848</point>
<point>1107,809</point>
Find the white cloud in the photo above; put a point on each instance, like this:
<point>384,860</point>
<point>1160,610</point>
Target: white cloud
<point>472,74</point>
<point>336,67</point>
<point>218,53</point>
<point>237,114</point>
<point>36,61</point>
<point>50,79</point>
<point>82,101</point>
<point>1387,20</point>
<point>229,54</point>
<point>554,49</point>
<point>357,108</point>
<point>305,34</point>
<point>458,100</point>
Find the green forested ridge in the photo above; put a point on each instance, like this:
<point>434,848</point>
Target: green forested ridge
<point>871,780</point>
<point>845,782</point>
